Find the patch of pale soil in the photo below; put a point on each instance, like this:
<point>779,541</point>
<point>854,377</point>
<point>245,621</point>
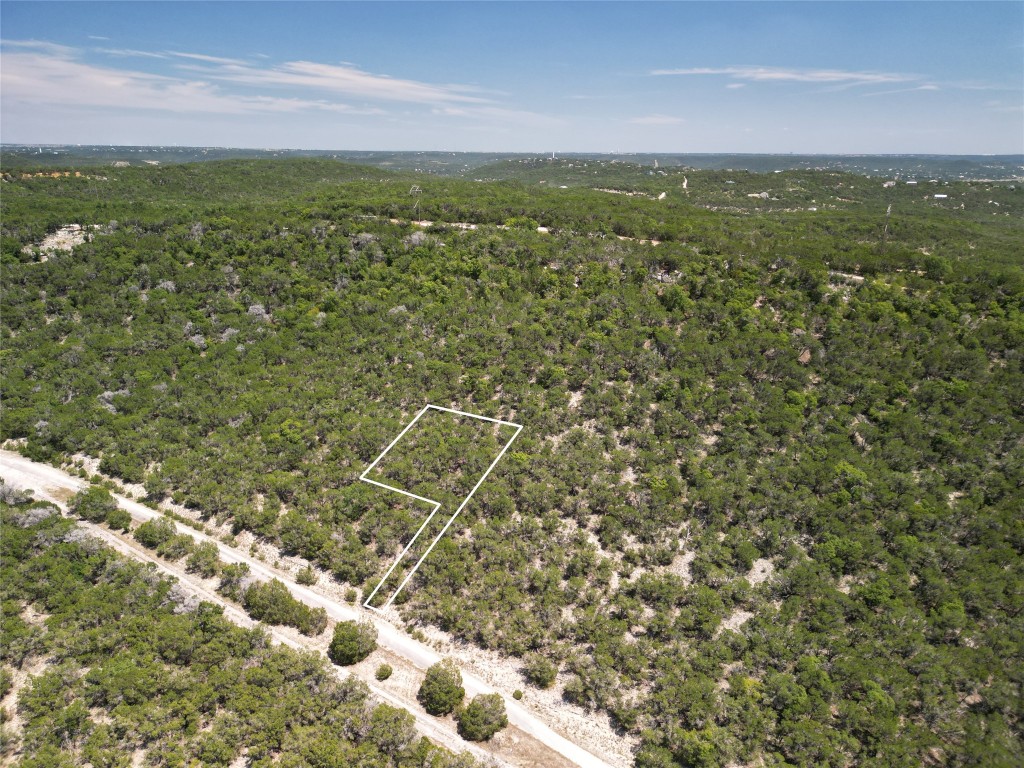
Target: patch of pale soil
<point>575,398</point>
<point>64,239</point>
<point>760,571</point>
<point>100,716</point>
<point>89,463</point>
<point>33,666</point>
<point>664,276</point>
<point>728,669</point>
<point>846,276</point>
<point>680,566</point>
<point>570,529</point>
<point>845,583</point>
<point>639,240</point>
<point>453,224</point>
<point>736,620</point>
<point>636,573</point>
<point>92,466</point>
<point>31,616</point>
<point>588,426</point>
<point>857,437</point>
<point>627,193</point>
<point>628,476</point>
<point>710,438</point>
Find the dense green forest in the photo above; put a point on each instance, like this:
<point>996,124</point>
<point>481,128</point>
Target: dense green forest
<point>133,664</point>
<point>765,507</point>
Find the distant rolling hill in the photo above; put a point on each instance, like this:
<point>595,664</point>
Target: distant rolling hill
<point>16,156</point>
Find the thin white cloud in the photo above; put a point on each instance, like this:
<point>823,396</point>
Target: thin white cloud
<point>656,120</point>
<point>974,85</point>
<point>999,106</point>
<point>347,80</point>
<point>925,87</point>
<point>131,53</point>
<point>38,74</point>
<point>134,52</point>
<point>52,49</point>
<point>733,86</point>
<point>44,76</point>
<point>206,59</point>
<point>783,74</point>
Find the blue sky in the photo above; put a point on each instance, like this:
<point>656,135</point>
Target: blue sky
<point>831,77</point>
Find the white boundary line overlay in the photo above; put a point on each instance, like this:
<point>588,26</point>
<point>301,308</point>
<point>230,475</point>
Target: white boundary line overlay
<point>437,504</point>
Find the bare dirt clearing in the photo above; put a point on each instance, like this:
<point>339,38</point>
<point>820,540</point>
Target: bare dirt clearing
<point>64,239</point>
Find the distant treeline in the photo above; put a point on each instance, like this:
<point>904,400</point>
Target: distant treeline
<point>17,156</point>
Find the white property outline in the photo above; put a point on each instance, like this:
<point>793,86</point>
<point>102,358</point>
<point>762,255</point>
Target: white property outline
<point>437,504</point>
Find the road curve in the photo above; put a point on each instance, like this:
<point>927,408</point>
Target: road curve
<point>54,484</point>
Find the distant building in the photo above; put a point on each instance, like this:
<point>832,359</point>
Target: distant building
<point>941,197</point>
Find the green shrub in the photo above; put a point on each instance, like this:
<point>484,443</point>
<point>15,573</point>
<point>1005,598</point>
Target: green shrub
<point>383,672</point>
<point>127,467</point>
<point>176,547</point>
<point>93,504</point>
<point>272,603</point>
<point>307,576</point>
<point>353,641</point>
<point>119,519</point>
<point>441,691</point>
<point>204,560</point>
<point>231,578</point>
<point>152,533</point>
<point>483,718</point>
<point>540,670</point>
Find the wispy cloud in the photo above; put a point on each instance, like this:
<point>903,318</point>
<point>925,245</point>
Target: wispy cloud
<point>38,73</point>
<point>135,53</point>
<point>925,87</point>
<point>44,75</point>
<point>1001,106</point>
<point>52,49</point>
<point>131,53</point>
<point>345,79</point>
<point>341,79</point>
<point>657,120</point>
<point>207,59</point>
<point>783,74</point>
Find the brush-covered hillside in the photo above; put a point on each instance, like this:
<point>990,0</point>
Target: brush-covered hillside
<point>765,508</point>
